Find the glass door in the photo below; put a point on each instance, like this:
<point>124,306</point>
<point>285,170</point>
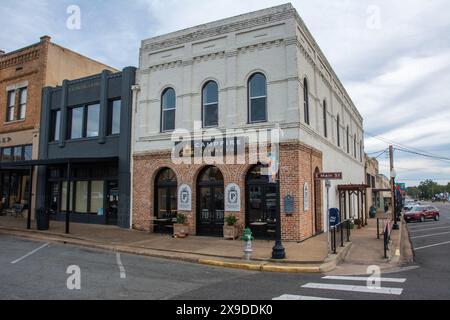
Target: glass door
<point>112,202</point>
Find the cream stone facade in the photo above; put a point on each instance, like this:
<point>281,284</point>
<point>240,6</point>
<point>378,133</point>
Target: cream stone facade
<point>275,43</point>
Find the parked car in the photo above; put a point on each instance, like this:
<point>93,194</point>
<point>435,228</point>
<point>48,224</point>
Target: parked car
<point>422,213</point>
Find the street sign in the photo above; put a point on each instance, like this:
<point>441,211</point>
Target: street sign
<point>328,176</point>
<point>402,186</point>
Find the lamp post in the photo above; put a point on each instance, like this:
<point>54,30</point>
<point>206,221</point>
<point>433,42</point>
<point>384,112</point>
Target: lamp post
<point>278,251</point>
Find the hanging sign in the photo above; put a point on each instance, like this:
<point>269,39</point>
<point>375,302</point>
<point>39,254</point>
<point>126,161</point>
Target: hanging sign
<point>233,198</point>
<point>184,198</point>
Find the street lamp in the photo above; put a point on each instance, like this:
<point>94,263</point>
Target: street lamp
<point>393,176</point>
<point>278,251</point>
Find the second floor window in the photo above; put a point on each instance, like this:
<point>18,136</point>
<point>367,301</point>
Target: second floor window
<point>348,140</point>
<point>10,105</point>
<point>22,103</point>
<point>168,110</point>
<point>325,128</point>
<point>306,100</point>
<point>257,92</point>
<point>114,110</point>
<point>56,125</point>
<point>338,130</point>
<point>210,101</point>
<point>84,122</point>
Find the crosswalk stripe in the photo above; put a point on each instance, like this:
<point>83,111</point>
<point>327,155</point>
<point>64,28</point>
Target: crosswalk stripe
<point>362,289</point>
<point>345,278</point>
<point>290,297</point>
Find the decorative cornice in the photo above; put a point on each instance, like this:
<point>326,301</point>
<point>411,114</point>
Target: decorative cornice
<point>269,18</point>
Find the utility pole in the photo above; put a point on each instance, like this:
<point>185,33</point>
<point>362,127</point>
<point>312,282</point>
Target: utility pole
<point>393,174</point>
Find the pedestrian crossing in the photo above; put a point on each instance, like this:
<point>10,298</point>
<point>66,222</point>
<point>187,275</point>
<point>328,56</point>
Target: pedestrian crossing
<point>372,286</point>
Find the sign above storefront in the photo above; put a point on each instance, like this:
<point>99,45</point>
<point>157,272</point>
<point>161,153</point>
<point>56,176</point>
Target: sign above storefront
<point>184,198</point>
<point>328,176</point>
<point>233,198</point>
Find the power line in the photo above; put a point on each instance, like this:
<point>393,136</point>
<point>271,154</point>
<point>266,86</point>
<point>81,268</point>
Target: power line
<point>444,159</point>
<point>387,141</point>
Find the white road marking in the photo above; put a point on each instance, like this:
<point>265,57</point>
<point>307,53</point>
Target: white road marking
<point>427,229</point>
<point>363,289</point>
<point>30,253</point>
<point>430,235</point>
<point>123,275</point>
<point>346,278</point>
<point>433,245</point>
<point>289,297</point>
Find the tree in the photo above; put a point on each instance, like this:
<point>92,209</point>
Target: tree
<point>428,188</point>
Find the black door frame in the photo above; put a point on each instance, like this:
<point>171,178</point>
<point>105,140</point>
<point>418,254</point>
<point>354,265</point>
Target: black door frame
<point>211,230</point>
<point>264,184</point>
<point>166,186</point>
<point>317,212</point>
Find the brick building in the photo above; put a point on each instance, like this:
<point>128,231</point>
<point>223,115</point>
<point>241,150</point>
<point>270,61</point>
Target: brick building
<point>263,76</point>
<point>23,74</point>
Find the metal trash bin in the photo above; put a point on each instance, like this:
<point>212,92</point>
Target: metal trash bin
<point>42,219</point>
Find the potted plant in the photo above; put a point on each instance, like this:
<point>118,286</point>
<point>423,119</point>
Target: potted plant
<point>181,228</point>
<point>352,223</point>
<point>230,230</point>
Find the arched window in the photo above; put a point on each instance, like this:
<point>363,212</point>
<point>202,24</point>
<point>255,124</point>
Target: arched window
<point>361,147</point>
<point>348,139</point>
<point>338,130</point>
<point>257,98</point>
<point>210,100</point>
<point>306,100</point>
<point>325,127</point>
<point>165,200</point>
<point>168,110</point>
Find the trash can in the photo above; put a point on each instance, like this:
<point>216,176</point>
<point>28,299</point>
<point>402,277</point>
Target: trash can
<point>42,219</point>
<point>373,212</point>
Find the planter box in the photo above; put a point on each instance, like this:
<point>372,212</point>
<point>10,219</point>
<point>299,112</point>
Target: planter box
<point>180,230</point>
<point>230,232</point>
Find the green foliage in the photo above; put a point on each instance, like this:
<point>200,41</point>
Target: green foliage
<point>231,220</point>
<point>181,218</point>
<point>427,189</point>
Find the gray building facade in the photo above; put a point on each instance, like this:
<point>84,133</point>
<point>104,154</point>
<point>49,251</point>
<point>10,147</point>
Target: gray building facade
<point>86,123</point>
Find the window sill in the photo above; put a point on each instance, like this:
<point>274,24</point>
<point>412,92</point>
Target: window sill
<point>13,122</point>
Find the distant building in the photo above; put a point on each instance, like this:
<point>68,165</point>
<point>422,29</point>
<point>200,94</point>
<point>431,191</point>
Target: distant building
<point>23,74</point>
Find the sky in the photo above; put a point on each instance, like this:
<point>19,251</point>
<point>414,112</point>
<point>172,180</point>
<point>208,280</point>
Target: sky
<point>393,57</point>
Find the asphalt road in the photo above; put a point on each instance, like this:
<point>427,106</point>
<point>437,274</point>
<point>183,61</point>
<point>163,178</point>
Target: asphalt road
<point>34,270</point>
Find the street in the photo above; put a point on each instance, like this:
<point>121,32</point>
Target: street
<point>35,270</point>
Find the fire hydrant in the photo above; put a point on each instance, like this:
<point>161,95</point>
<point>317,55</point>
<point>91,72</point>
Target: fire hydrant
<point>248,238</point>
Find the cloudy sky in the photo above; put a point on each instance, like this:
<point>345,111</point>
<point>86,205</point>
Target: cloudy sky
<point>392,56</point>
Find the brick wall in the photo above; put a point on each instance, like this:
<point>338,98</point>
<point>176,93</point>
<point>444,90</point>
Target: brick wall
<point>297,163</point>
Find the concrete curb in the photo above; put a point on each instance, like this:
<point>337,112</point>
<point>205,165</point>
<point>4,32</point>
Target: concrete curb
<point>260,266</point>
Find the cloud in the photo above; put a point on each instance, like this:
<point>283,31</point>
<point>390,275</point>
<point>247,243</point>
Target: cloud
<point>396,70</point>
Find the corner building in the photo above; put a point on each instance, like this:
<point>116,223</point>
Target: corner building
<point>259,71</point>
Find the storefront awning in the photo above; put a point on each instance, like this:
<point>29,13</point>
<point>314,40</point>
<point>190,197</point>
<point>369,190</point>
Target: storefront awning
<point>47,162</point>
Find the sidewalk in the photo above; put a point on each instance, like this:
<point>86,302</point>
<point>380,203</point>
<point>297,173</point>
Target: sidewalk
<point>367,250</point>
<point>308,256</point>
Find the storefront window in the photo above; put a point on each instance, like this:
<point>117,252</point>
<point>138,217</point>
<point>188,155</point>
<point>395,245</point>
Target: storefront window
<point>6,155</point>
<point>18,153</point>
<point>64,196</point>
<point>28,152</point>
<point>81,196</point>
<point>97,192</point>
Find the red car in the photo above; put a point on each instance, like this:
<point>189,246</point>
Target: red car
<point>422,213</point>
